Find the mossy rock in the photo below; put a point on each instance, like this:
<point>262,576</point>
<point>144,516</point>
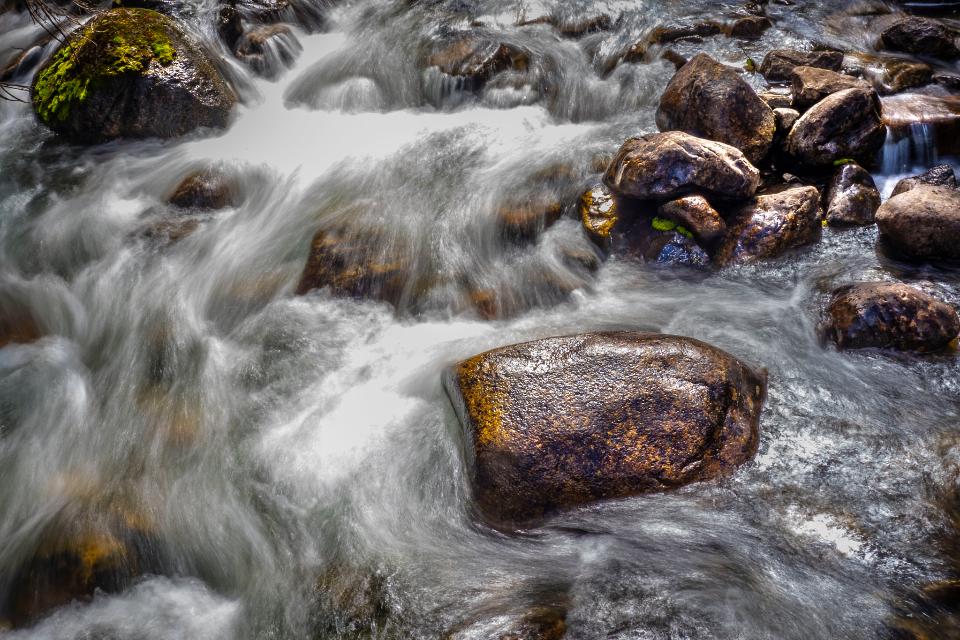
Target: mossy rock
<point>130,73</point>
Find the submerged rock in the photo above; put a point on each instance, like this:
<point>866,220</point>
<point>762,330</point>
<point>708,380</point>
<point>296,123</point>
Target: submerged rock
<point>922,37</point>
<point>852,197</point>
<point>941,175</point>
<point>565,421</point>
<point>708,99</point>
<point>811,85</point>
<point>206,190</point>
<point>771,225</point>
<point>780,63</point>
<point>268,49</point>
<point>130,73</point>
<point>843,125</point>
<point>664,166</point>
<point>890,315</point>
<point>525,218</point>
<point>477,59</point>
<point>923,222</point>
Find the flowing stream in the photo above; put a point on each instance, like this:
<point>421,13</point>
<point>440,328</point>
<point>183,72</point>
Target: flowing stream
<point>295,457</point>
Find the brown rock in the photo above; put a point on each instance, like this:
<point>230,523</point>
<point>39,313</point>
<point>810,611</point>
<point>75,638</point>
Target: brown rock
<point>811,85</point>
<point>778,65</point>
<point>672,33</point>
<point>785,118</point>
<point>17,324</point>
<point>771,225</point>
<point>711,100</point>
<point>852,197</point>
<point>207,189</point>
<point>268,49</point>
<point>749,27</point>
<point>886,74</point>
<point>923,222</point>
<point>477,59</point>
<point>939,115</point>
<point>525,218</point>
<point>664,166</point>
<point>846,124</point>
<point>695,214</point>
<point>777,100</point>
<point>921,36</point>
<point>565,421</point>
<point>941,175</point>
<point>890,315</point>
<point>599,213</point>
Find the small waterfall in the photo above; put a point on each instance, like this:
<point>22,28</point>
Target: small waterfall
<point>916,145</point>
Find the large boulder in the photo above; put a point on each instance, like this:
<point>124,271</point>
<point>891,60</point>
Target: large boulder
<point>565,421</point>
<point>923,222</point>
<point>771,225</point>
<point>941,175</point>
<point>130,73</point>
<point>708,99</point>
<point>852,197</point>
<point>846,124</point>
<point>890,315</point>
<point>811,85</point>
<point>921,36</point>
<point>779,63</point>
<point>664,166</point>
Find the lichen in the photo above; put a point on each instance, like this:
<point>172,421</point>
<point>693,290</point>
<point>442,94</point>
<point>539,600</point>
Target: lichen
<point>120,41</point>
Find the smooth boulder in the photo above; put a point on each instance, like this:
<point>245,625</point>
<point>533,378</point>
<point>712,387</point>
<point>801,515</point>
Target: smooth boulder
<point>664,166</point>
<point>890,315</point>
<point>811,85</point>
<point>130,73</point>
<point>923,222</point>
<point>695,214</point>
<point>846,124</point>
<point>922,37</point>
<point>566,421</point>
<point>941,175</point>
<point>852,197</point>
<point>711,100</point>
<point>780,63</point>
<point>771,225</point>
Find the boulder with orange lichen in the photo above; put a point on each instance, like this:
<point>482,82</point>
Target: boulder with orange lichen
<point>566,421</point>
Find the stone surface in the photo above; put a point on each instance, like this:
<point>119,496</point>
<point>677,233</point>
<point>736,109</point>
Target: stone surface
<point>843,125</point>
<point>785,118</point>
<point>771,225</point>
<point>695,214</point>
<point>778,65</point>
<point>476,59</point>
<point>939,115</point>
<point>941,175</point>
<point>811,85</point>
<point>566,421</point>
<point>888,74</point>
<point>664,166</point>
<point>130,73</point>
<point>268,49</point>
<point>207,190</point>
<point>923,222</point>
<point>749,27</point>
<point>711,100</point>
<point>525,218</point>
<point>852,197</point>
<point>921,36</point>
<point>599,213</point>
<point>890,315</point>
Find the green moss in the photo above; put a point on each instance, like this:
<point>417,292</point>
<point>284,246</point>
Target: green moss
<point>684,232</point>
<point>842,161</point>
<point>118,42</point>
<point>662,224</point>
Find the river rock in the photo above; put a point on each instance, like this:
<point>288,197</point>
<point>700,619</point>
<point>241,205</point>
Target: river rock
<point>525,218</point>
<point>771,225</point>
<point>673,248</point>
<point>664,166</point>
<point>695,214</point>
<point>852,197</point>
<point>566,421</point>
<point>711,100</point>
<point>476,59</point>
<point>890,315</point>
<point>357,262</point>
<point>665,34</point>
<point>749,27</point>
<point>130,73</point>
<point>779,63</point>
<point>785,119</point>
<point>206,190</point>
<point>846,124</point>
<point>777,100</point>
<point>939,116</point>
<point>599,213</point>
<point>268,49</point>
<point>888,74</point>
<point>811,85</point>
<point>941,175</point>
<point>922,37</point>
<point>923,222</point>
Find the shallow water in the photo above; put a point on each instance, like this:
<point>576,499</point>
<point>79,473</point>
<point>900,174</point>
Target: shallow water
<point>296,456</point>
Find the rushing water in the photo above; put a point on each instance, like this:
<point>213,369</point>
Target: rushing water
<point>296,458</point>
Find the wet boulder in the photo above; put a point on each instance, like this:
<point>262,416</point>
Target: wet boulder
<point>711,100</point>
<point>599,213</point>
<point>922,37</point>
<point>130,73</point>
<point>206,190</point>
<point>843,125</point>
<point>522,219</point>
<point>268,49</point>
<point>772,224</point>
<point>665,34</point>
<point>938,115</point>
<point>779,64</point>
<point>695,214</point>
<point>941,175</point>
<point>888,74</point>
<point>922,223</point>
<point>891,316</point>
<point>811,85</point>
<point>475,59</point>
<point>664,166</point>
<point>567,421</point>
<point>852,197</point>
<point>749,27</point>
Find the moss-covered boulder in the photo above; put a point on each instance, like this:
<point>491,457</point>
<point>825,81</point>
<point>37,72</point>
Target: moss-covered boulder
<point>130,73</point>
<point>565,421</point>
